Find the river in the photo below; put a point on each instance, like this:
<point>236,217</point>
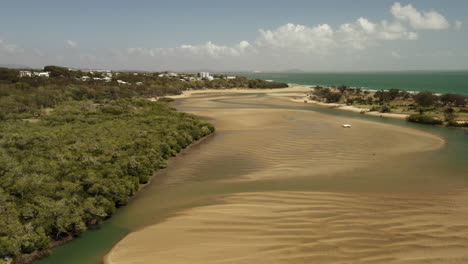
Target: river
<point>289,171</point>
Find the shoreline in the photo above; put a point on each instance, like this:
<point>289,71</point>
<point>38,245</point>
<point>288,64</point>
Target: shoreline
<point>297,94</point>
<point>300,94</point>
<point>350,108</point>
<point>38,255</point>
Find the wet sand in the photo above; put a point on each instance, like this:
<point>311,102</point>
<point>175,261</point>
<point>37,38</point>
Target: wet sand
<point>354,223</point>
<point>306,227</point>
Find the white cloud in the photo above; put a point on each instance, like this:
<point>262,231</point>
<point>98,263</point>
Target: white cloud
<point>395,31</point>
<point>419,20</point>
<point>297,38</point>
<point>319,44</point>
<point>209,49</point>
<point>71,43</point>
<point>363,33</point>
<point>243,45</point>
<point>212,50</point>
<point>323,39</point>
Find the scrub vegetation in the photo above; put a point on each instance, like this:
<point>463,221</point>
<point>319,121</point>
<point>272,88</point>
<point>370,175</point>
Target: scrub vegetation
<point>423,107</point>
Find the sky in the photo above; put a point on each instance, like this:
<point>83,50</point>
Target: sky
<point>219,35</point>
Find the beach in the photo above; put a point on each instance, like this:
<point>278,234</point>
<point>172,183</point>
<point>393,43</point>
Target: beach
<point>303,189</point>
<point>296,93</point>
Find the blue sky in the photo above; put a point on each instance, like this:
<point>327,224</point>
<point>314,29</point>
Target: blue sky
<point>328,35</point>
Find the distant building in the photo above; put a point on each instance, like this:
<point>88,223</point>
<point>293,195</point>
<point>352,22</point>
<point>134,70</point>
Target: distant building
<point>25,74</point>
<point>139,83</point>
<point>85,78</point>
<point>231,77</point>
<point>107,79</point>
<point>42,74</point>
<point>204,74</point>
<point>121,82</point>
<point>168,74</point>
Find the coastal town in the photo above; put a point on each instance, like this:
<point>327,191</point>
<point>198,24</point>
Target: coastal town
<point>109,76</point>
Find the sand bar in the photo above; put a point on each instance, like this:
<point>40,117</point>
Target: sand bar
<point>298,226</point>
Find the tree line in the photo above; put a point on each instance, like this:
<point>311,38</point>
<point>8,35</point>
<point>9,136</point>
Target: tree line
<point>25,97</point>
<point>384,101</point>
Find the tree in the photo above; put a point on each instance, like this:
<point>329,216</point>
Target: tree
<point>382,96</point>
<point>425,99</point>
<point>393,93</point>
<point>9,75</point>
<point>449,114</point>
<point>404,94</point>
<point>342,88</point>
<point>424,119</point>
<point>453,99</point>
<point>333,97</point>
<point>56,71</point>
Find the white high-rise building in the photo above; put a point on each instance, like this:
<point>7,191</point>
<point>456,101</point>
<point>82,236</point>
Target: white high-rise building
<point>204,75</point>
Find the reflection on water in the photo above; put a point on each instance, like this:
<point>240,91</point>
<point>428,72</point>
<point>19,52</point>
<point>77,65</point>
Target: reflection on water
<point>280,146</point>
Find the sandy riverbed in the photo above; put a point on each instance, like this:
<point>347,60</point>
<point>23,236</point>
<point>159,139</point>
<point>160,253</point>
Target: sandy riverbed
<point>298,94</point>
<point>354,225</point>
<point>306,227</point>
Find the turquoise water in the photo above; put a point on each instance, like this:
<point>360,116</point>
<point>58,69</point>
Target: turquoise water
<point>438,82</point>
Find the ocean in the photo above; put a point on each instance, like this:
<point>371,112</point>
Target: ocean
<point>437,82</point>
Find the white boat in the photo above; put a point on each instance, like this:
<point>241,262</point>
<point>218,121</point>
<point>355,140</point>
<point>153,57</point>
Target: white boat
<point>346,125</point>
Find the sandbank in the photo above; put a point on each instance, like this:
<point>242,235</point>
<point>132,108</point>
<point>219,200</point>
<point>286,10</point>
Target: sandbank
<point>298,226</point>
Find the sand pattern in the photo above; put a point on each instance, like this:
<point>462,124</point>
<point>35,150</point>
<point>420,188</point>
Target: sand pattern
<point>254,145</point>
<point>307,227</point>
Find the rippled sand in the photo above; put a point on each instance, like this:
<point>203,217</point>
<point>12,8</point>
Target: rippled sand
<point>257,144</point>
<point>306,227</point>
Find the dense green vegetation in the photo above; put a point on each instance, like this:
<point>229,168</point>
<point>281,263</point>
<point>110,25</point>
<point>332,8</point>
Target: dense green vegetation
<point>74,167</point>
<point>26,97</point>
<point>77,145</point>
<point>423,107</point>
<point>424,119</point>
